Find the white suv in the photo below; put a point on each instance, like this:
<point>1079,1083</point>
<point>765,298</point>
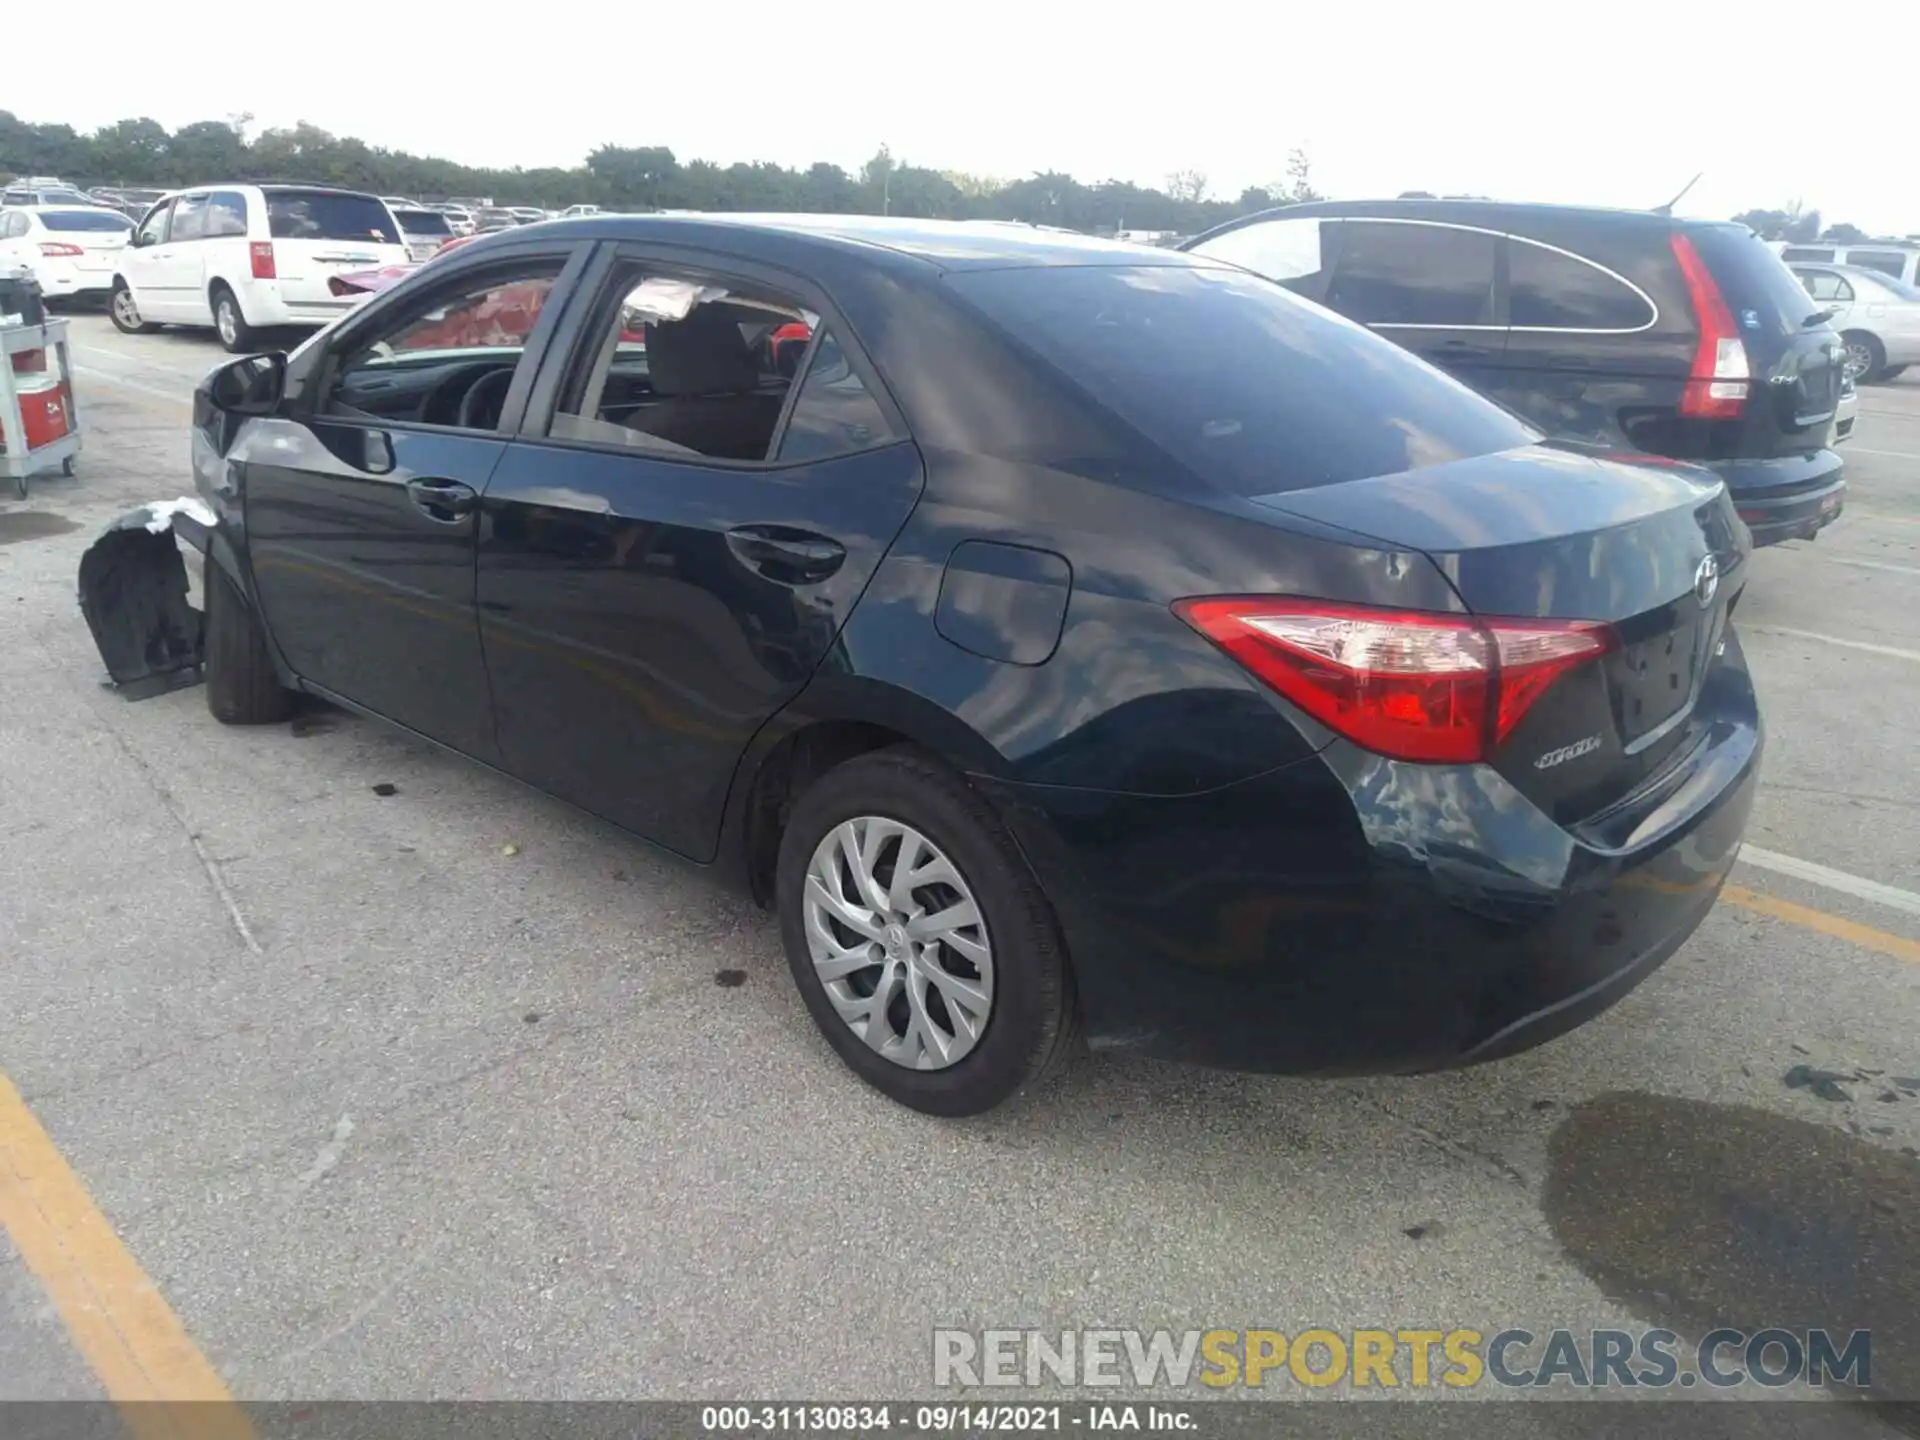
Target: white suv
<point>241,258</point>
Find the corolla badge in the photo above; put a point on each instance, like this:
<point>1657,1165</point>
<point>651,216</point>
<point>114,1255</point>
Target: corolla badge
<point>1567,752</point>
<point>1706,580</point>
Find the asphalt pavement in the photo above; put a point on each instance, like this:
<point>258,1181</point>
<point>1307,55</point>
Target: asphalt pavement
<point>436,1094</point>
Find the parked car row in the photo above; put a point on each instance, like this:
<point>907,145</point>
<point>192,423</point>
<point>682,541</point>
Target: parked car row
<point>1064,636</point>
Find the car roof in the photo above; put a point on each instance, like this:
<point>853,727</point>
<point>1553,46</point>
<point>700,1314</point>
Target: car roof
<point>942,244</point>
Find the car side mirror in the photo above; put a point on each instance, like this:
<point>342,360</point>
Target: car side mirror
<point>250,386</point>
<point>139,239</point>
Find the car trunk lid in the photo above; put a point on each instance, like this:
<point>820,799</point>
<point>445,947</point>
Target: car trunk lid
<point>318,234</point>
<point>1649,549</point>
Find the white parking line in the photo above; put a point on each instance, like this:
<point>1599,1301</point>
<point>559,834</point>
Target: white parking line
<point>108,378</point>
<point>1868,564</point>
<point>1894,651</point>
<point>1889,454</point>
<point>1889,895</point>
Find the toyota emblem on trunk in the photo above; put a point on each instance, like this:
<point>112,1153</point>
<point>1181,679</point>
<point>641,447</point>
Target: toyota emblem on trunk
<point>1706,580</point>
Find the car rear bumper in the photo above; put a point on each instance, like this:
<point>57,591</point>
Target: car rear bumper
<point>1790,498</point>
<point>1353,915</point>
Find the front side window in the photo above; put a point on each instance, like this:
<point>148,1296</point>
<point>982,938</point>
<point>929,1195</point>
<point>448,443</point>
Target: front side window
<point>153,230</point>
<point>329,215</point>
<point>1414,274</point>
<point>695,366</point>
<point>1550,290</point>
<point>450,360</point>
<point>1298,253</point>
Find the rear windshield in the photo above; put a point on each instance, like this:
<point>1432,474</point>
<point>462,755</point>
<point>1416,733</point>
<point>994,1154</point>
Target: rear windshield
<point>1754,278</point>
<point>326,215</point>
<point>1253,388</point>
<point>85,220</point>
<point>423,222</point>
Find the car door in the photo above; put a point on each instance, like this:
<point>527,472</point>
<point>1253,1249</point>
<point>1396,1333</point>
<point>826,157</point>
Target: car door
<point>176,274</point>
<point>361,505</point>
<point>1427,286</point>
<point>140,263</point>
<point>672,545</point>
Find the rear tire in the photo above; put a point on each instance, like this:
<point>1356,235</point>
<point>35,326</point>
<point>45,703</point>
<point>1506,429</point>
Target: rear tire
<point>229,323</point>
<point>1866,356</point>
<point>1890,372</point>
<point>125,314</point>
<point>242,688</point>
<point>1027,1024</point>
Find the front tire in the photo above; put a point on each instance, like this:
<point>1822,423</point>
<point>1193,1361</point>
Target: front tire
<point>125,314</point>
<point>1866,356</point>
<point>920,942</point>
<point>236,336</point>
<point>242,688</point>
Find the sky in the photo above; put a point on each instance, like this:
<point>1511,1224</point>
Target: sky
<point>1599,103</point>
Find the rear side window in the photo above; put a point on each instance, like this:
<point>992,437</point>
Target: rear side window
<point>1759,288</point>
<point>226,214</point>
<point>1808,252</point>
<point>834,414</point>
<point>1296,252</point>
<point>1825,285</point>
<point>1550,290</point>
<point>102,220</point>
<point>1414,274</point>
<point>328,215</point>
<point>1253,389</point>
<point>1887,262</point>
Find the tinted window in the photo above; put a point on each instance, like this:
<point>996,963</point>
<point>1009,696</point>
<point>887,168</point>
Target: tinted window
<point>1414,274</point>
<point>1806,252</point>
<point>834,414</point>
<point>1298,253</point>
<point>1253,389</point>
<point>422,364</point>
<point>189,218</point>
<point>226,214</point>
<point>1753,278</point>
<point>325,215</point>
<point>85,220</point>
<point>1887,262</point>
<point>422,222</point>
<point>1549,290</point>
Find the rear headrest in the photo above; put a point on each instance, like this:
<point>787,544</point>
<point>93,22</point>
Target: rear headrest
<point>704,354</point>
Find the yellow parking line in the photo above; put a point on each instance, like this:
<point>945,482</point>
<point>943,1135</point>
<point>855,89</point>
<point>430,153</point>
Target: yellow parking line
<point>1865,936</point>
<point>116,1317</point>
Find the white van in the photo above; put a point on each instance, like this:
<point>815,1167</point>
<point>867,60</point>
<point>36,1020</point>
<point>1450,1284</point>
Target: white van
<point>237,259</point>
<point>1888,257</point>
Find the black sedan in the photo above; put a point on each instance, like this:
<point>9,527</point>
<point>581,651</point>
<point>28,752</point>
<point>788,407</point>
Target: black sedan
<point>1063,637</point>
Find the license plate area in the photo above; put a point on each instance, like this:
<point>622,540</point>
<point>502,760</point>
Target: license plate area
<point>1653,678</point>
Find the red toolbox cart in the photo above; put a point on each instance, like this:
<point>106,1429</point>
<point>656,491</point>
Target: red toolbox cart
<point>38,427</point>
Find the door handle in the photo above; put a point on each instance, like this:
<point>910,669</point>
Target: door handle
<point>442,500</point>
<point>786,555</point>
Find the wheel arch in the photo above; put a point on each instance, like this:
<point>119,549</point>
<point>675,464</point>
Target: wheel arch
<point>829,723</point>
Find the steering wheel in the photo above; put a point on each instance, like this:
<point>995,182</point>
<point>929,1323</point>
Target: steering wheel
<point>442,405</point>
<point>480,406</point>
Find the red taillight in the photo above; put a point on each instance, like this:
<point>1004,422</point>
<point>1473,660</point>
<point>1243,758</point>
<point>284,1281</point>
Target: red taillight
<point>261,253</point>
<point>60,248</point>
<point>1717,386</point>
<point>1442,689</point>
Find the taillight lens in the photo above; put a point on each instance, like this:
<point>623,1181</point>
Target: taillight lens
<point>59,248</point>
<point>1442,689</point>
<point>261,253</point>
<point>1716,388</point>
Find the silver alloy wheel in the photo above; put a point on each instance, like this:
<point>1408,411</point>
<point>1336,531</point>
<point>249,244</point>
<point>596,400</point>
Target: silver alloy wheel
<point>1859,359</point>
<point>898,942</point>
<point>124,309</point>
<point>226,320</point>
